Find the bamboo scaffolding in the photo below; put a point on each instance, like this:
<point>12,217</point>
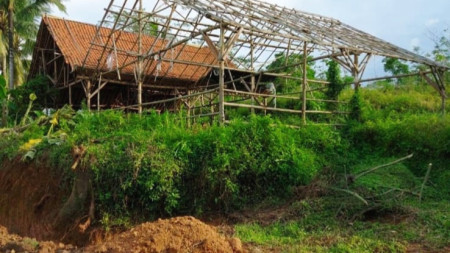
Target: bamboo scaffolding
<point>244,36</point>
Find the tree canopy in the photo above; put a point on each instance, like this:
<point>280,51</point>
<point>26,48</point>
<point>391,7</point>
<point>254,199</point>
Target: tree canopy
<point>26,14</point>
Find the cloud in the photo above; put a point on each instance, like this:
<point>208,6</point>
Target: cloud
<point>415,42</point>
<point>431,22</point>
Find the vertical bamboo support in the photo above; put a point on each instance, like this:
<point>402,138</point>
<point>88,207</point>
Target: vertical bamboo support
<point>98,100</point>
<point>253,89</point>
<point>443,105</point>
<point>265,106</point>
<point>305,78</point>
<point>88,95</point>
<point>252,68</point>
<point>211,98</point>
<point>139,77</point>
<point>70,95</point>
<point>188,110</point>
<point>221,76</point>
<point>355,72</point>
<point>286,60</point>
<point>66,82</point>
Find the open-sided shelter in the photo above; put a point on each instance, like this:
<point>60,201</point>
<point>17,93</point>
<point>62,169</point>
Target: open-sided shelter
<point>216,51</point>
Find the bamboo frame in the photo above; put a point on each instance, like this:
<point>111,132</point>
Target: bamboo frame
<point>243,35</point>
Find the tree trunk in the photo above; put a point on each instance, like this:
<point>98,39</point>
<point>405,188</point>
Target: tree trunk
<point>11,43</point>
<point>5,102</point>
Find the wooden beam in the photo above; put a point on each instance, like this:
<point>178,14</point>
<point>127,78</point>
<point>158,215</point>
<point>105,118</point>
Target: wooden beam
<point>305,82</point>
<point>231,42</point>
<point>262,108</point>
<point>211,45</point>
<point>98,89</point>
<point>88,95</point>
<point>222,75</point>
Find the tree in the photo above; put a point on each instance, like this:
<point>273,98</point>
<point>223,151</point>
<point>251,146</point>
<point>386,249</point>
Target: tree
<point>18,29</point>
<point>293,66</point>
<point>395,67</point>
<point>441,52</point>
<point>129,21</point>
<point>336,85</point>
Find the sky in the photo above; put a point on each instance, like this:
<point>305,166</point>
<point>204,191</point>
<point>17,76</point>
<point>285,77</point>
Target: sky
<point>405,23</point>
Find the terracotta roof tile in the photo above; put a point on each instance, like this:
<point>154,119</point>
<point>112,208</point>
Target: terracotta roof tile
<point>74,40</point>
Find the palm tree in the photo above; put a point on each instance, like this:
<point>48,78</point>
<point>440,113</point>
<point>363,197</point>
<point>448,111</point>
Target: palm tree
<point>18,30</point>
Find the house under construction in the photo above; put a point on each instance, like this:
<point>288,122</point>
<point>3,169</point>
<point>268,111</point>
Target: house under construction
<point>205,55</point>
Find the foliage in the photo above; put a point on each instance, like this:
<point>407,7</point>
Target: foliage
<point>130,21</point>
<point>154,165</point>
<point>336,85</point>
<point>336,222</point>
<point>441,51</point>
<point>20,97</point>
<point>395,66</point>
<point>244,163</point>
<point>3,92</point>
<point>26,12</point>
<point>292,65</point>
<point>356,105</point>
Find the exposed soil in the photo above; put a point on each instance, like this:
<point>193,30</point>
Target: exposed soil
<point>14,243</point>
<point>181,234</point>
<point>30,197</point>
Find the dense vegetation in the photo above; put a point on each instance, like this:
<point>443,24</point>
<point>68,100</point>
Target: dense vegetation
<point>143,167</point>
<point>154,165</point>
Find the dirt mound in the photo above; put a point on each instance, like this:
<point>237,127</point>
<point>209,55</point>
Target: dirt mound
<point>182,234</point>
<point>18,244</point>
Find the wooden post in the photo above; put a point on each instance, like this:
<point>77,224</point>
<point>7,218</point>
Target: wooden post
<point>355,72</point>
<point>443,105</point>
<point>98,100</point>
<point>305,77</point>
<point>253,89</point>
<point>70,95</point>
<point>88,95</point>
<point>188,110</point>
<point>139,77</point>
<point>265,106</point>
<point>211,97</point>
<point>221,76</point>
<point>252,68</point>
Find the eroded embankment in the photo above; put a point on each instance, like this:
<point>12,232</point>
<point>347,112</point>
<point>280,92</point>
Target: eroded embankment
<point>31,197</point>
<point>34,197</point>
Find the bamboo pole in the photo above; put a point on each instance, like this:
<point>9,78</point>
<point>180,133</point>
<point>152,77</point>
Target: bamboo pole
<point>355,72</point>
<point>139,77</point>
<point>262,108</point>
<point>88,95</point>
<point>425,180</point>
<point>98,101</point>
<point>174,99</point>
<point>305,76</point>
<point>221,76</point>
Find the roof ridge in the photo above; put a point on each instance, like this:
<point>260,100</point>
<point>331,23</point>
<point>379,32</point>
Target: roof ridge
<point>68,20</point>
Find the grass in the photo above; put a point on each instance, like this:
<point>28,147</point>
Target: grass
<point>321,231</point>
<point>154,165</point>
<point>339,222</point>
